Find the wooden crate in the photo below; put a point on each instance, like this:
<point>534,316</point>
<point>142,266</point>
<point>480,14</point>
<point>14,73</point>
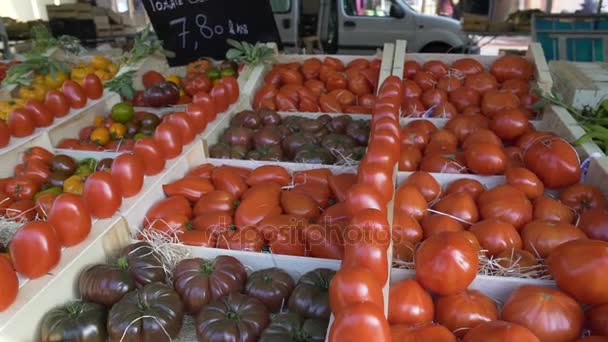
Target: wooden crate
<point>580,84</point>
<point>71,11</point>
<point>542,76</point>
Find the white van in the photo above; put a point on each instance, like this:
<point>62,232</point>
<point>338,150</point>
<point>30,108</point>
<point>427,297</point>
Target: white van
<point>351,26</point>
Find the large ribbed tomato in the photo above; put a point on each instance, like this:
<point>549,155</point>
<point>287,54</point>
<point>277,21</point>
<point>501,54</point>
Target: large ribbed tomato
<point>465,310</point>
<point>409,304</point>
<point>554,161</point>
<point>446,263</point>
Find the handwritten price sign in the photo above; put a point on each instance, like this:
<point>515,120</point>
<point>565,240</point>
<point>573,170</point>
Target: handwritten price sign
<point>199,28</point>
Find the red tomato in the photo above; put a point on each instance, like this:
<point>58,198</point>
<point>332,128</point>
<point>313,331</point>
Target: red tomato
<point>215,201</point>
<point>261,203</point>
<point>506,203</point>
<point>426,332</point>
<point>21,122</point>
<point>169,139</point>
<point>56,102</point>
<point>410,68</point>
<point>406,228</point>
<point>541,237</point>
<point>101,195</point>
<point>39,113</point>
<point>549,209</point>
<point>496,236</point>
<point>283,234</point>
<point>221,100</point>
<point>463,311</point>
<point>232,87</point>
<point>151,78</point>
<point>5,134</point>
<point>494,101</point>
<point>597,317</point>
<point>550,314</point>
<point>174,205</point>
<point>409,159</point>
<point>354,285</point>
<point>70,219</point>
<point>481,136</point>
<point>329,104</point>
<point>582,197</point>
<point>334,63</point>
<point>360,322</point>
<point>266,93</point>
<point>435,224</point>
<point>299,204</point>
<point>485,159</point>
<point>472,186</point>
<point>425,80</point>
<point>578,268</point>
<point>9,285</point>
<point>93,88</point>
<point>184,124</point>
<point>409,201</point>
<point>435,68</point>
<point>192,188</point>
<point>432,97</point>
<point>311,68</point>
<point>509,124</point>
<point>36,170</point>
<point>35,249</point>
<point>460,205</point>
<point>345,97</point>
<point>411,90</point>
<point>594,223</point>
<point>412,108</point>
<point>337,81</point>
<point>320,176</point>
<point>22,188</point>
<point>526,181</point>
<point>446,263</point>
<point>409,304</point>
<point>228,179</point>
<point>426,184</point>
<point>21,210</point>
<point>74,94</point>
<point>449,83</point>
<point>467,66</point>
<point>481,82</point>
<point>464,97</point>
<point>216,222</point>
<point>554,161</point>
<point>499,331</point>
<point>361,196</point>
<point>368,254</point>
<point>198,117</point>
<point>127,173</point>
<point>511,66</point>
<point>444,110</point>
<point>378,176</point>
<point>272,173</point>
<point>151,154</point>
<point>206,103</point>
<point>516,86</point>
<point>464,125</point>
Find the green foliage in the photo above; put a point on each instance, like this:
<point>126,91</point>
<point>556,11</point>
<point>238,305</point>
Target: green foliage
<point>145,44</point>
<point>21,73</point>
<point>122,84</point>
<point>244,52</point>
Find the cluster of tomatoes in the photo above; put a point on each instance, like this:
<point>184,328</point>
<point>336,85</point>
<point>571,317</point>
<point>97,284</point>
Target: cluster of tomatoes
<point>24,120</point>
<point>320,86</point>
<point>476,144</point>
<point>465,87</point>
<point>255,210</point>
<point>35,248</point>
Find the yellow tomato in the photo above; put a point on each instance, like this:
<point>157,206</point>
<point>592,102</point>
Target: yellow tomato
<point>99,120</point>
<point>103,75</point>
<point>118,130</point>
<point>55,83</point>
<point>100,136</point>
<point>100,62</point>
<point>39,80</point>
<point>174,78</point>
<point>74,184</point>
<point>112,69</point>
<point>6,107</point>
<point>33,92</point>
<point>80,71</point>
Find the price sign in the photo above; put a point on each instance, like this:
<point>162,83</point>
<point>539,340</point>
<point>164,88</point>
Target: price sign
<point>199,28</point>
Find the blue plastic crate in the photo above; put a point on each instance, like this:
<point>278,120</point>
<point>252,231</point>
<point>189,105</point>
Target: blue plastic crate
<point>584,36</point>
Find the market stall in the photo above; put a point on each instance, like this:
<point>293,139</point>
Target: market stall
<point>301,198</point>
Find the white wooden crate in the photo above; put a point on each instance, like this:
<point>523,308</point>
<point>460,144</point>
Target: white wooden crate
<point>580,84</point>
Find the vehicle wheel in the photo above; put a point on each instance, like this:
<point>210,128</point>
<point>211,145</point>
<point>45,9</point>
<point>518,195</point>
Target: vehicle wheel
<point>437,47</point>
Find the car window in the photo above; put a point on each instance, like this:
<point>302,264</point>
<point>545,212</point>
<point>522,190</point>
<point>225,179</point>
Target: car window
<point>280,6</point>
<point>366,8</point>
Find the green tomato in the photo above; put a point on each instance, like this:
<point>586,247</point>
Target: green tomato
<point>84,170</point>
<point>140,135</point>
<point>228,72</point>
<point>214,74</point>
<point>53,190</point>
<point>123,112</point>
